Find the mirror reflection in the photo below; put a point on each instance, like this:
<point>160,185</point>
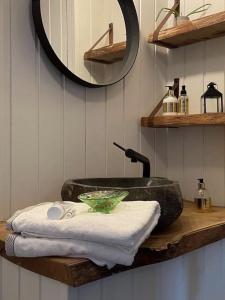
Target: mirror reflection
<point>89,36</point>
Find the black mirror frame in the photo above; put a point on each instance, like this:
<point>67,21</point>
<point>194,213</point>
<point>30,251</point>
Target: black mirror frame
<point>133,37</point>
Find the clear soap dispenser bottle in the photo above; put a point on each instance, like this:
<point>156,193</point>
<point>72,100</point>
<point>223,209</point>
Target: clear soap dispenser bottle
<point>183,102</point>
<point>170,103</point>
<point>202,199</point>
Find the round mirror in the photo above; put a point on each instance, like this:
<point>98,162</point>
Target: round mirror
<point>94,43</point>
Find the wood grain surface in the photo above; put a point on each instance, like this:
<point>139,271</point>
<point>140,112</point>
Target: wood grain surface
<point>191,32</point>
<point>108,54</point>
<point>184,121</point>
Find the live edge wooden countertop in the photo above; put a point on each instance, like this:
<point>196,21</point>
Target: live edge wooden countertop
<point>191,231</point>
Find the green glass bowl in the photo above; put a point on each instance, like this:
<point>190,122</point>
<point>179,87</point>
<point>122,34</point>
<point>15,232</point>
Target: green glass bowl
<point>103,201</point>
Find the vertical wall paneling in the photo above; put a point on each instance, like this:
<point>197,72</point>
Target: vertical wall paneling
<point>118,287</point>
<point>5,109</point>
<point>72,31</point>
<point>46,97</point>
<point>96,103</point>
<point>60,130</point>
<point>195,275</point>
<point>194,75</point>
<point>147,91</point>
<point>29,285</point>
<point>50,140</point>
<point>175,69</point>
<point>146,283</point>
<point>72,294</point>
<point>160,77</point>
<point>74,131</point>
<point>92,291</point>
<point>194,68</point>
<point>95,133</point>
<point>214,163</point>
<point>197,65</point>
<point>214,137</point>
<point>193,156</point>
<point>10,281</point>
<point>132,111</point>
<point>115,159</point>
<point>173,280</point>
<point>52,289</point>
<point>175,155</point>
<point>222,262</point>
<point>175,136</point>
<point>51,97</point>
<point>1,277</point>
<point>74,107</point>
<point>213,288</point>
<point>115,129</point>
<point>183,164</point>
<point>56,26</point>
<point>65,38</point>
<point>24,142</point>
<point>99,25</point>
<point>46,17</point>
<point>203,156</point>
<point>193,160</point>
<point>84,29</point>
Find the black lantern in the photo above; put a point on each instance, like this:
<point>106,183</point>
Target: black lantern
<point>212,100</point>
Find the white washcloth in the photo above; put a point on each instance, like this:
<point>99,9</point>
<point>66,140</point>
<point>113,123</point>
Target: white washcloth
<point>127,226</point>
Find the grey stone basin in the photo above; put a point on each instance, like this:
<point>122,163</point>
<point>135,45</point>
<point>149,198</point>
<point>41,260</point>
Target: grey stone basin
<point>165,191</point>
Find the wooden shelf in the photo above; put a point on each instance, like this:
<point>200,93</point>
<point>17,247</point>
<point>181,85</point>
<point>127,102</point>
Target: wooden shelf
<point>191,231</point>
<point>194,31</point>
<point>107,55</point>
<point>183,121</point>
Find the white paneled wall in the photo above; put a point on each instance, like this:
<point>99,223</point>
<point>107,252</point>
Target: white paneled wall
<point>52,129</point>
<point>198,152</point>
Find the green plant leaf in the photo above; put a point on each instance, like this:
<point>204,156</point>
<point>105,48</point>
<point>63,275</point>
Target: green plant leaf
<point>200,9</point>
<point>174,12</point>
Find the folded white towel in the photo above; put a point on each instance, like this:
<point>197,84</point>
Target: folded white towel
<point>126,227</point>
<point>106,239</point>
<point>123,227</point>
<point>100,254</point>
<point>17,245</point>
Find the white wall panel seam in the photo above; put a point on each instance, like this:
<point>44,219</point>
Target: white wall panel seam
<point>37,114</point>
<point>106,133</point>
<point>124,122</point>
<point>63,128</point>
<point>11,134</point>
<point>85,132</point>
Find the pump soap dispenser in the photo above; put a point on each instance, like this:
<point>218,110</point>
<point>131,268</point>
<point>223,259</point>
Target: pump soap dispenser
<point>170,103</point>
<point>183,102</point>
<point>202,198</point>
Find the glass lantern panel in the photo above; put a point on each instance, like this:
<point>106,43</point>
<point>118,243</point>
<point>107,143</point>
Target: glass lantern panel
<point>211,105</point>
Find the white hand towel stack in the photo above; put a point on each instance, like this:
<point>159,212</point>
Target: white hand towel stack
<point>106,239</point>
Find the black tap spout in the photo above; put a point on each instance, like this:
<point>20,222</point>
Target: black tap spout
<point>137,157</point>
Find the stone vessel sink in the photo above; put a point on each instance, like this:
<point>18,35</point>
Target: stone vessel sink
<point>165,191</point>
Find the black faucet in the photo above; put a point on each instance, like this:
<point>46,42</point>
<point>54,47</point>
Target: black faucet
<point>135,157</point>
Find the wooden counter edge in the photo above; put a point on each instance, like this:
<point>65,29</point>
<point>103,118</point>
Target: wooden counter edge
<point>77,272</point>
